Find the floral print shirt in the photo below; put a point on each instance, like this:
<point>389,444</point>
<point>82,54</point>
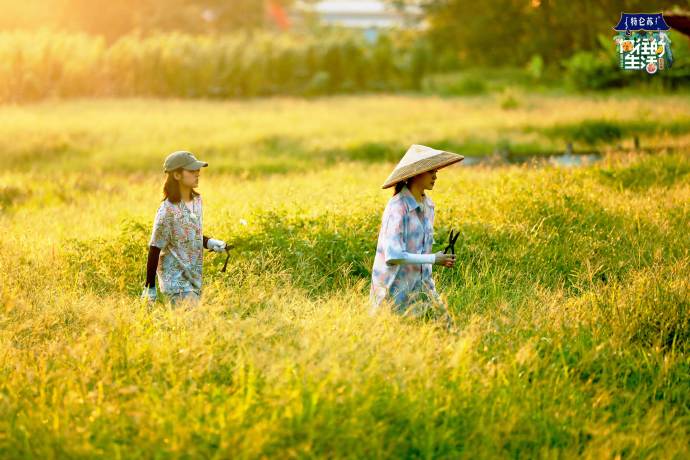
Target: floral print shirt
<point>406,227</point>
<point>177,232</point>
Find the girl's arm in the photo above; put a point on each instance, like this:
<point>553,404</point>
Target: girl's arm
<point>410,258</point>
<point>394,246</point>
<point>152,266</point>
<point>160,235</point>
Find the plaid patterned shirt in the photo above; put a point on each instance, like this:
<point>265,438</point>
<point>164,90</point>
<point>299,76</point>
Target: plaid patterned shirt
<point>407,227</point>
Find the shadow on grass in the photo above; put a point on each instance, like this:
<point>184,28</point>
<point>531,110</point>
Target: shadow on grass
<point>560,241</point>
<point>659,170</point>
<point>69,151</point>
<point>596,132</point>
<point>283,155</point>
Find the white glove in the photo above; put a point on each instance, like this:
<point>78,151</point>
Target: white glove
<point>447,260</point>
<point>149,293</point>
<point>216,245</point>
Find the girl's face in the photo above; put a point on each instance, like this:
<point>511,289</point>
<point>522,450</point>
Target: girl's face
<point>188,179</point>
<point>426,180</point>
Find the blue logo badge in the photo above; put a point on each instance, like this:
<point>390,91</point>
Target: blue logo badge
<point>642,42</point>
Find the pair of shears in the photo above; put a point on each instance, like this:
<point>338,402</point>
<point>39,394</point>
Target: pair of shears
<point>228,246</point>
<point>227,257</point>
<point>452,238</point>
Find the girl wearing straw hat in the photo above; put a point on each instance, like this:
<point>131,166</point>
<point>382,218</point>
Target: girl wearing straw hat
<point>176,245</point>
<point>402,267</point>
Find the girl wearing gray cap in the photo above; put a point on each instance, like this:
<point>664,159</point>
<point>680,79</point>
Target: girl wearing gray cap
<point>177,244</point>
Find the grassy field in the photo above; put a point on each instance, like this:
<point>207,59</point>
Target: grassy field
<point>572,291</point>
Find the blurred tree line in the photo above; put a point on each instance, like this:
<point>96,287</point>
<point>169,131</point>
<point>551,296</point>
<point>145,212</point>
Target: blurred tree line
<point>42,64</point>
<point>222,48</point>
<point>466,33</point>
<point>113,19</point>
<point>511,32</point>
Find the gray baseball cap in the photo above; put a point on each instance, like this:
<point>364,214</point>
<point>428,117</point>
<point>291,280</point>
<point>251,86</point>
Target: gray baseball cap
<point>183,159</point>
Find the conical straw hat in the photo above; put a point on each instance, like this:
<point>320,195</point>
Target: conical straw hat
<point>419,159</point>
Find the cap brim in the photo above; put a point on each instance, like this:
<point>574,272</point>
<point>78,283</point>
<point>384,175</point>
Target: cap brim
<point>195,165</point>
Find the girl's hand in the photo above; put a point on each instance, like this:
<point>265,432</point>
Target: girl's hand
<point>447,260</point>
<point>216,245</point>
<point>149,293</point>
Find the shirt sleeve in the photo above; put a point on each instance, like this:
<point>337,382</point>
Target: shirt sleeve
<point>418,259</point>
<point>160,236</point>
<point>394,245</point>
<point>152,265</point>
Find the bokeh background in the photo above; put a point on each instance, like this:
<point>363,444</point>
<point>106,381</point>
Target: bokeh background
<point>245,48</point>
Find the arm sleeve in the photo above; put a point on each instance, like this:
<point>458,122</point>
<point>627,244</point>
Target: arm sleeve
<point>394,247</point>
<point>418,259</point>
<point>152,266</point>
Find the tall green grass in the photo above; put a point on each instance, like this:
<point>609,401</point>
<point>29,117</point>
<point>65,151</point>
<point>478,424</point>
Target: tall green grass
<point>58,64</point>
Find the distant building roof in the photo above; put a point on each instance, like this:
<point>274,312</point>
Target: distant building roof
<point>361,13</point>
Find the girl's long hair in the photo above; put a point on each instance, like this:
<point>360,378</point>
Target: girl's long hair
<point>171,188</point>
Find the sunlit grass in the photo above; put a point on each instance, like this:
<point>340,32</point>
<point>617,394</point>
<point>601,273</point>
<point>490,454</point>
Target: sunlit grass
<point>571,293</point>
<point>283,135</point>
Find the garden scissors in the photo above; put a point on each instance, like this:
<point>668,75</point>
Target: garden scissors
<point>452,238</point>
<point>227,257</point>
<point>228,246</point>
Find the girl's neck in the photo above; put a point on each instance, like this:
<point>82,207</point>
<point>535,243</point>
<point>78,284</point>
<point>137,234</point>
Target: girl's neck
<point>186,194</point>
<point>417,193</point>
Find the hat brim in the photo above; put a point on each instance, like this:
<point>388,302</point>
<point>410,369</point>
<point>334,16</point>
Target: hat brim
<point>195,166</point>
<point>422,166</point>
